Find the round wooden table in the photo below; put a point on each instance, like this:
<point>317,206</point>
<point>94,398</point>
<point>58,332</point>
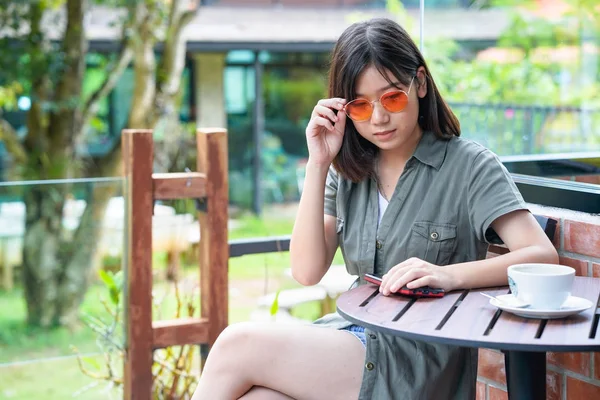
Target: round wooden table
<point>465,318</point>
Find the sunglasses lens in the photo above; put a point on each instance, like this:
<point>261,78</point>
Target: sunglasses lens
<point>394,101</point>
<point>359,110</point>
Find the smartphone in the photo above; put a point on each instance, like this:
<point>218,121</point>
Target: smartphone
<point>424,291</point>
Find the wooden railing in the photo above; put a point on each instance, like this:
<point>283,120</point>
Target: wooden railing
<point>143,188</point>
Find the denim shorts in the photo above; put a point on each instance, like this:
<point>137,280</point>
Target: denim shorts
<point>357,331</point>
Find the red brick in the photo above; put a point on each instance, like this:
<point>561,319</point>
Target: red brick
<point>596,270</point>
<point>575,362</point>
<point>593,179</point>
<point>597,366</point>
<point>582,238</point>
<point>581,266</point>
<point>579,390</point>
<point>553,386</point>
<point>491,366</point>
<point>480,393</point>
<point>497,394</point>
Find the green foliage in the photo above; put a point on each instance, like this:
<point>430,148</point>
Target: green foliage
<point>275,305</point>
<point>172,377</point>
<point>396,8</point>
<point>8,95</point>
<point>509,3</point>
<point>531,33</point>
<point>113,283</point>
<point>487,82</point>
<point>293,96</point>
<point>26,58</point>
<point>51,4</point>
<point>530,80</point>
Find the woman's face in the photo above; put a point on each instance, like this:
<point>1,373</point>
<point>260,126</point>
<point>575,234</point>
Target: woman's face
<point>387,130</point>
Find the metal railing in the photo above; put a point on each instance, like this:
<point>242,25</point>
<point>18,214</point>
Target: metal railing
<point>258,245</point>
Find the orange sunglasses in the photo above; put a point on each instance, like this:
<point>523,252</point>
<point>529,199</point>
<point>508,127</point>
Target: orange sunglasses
<point>360,110</point>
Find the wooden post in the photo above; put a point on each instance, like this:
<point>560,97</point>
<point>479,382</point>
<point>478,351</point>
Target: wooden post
<point>214,248</point>
<point>138,159</point>
<point>142,188</point>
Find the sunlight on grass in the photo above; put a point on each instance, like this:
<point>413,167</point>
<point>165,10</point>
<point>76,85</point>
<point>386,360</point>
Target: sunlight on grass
<point>57,379</point>
<point>249,226</point>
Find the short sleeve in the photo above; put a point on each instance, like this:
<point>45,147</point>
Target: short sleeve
<point>331,187</point>
<point>491,193</point>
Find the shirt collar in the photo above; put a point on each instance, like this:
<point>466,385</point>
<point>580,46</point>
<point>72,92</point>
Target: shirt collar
<point>431,150</point>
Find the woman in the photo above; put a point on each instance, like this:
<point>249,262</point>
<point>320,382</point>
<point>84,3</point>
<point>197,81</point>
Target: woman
<point>406,199</point>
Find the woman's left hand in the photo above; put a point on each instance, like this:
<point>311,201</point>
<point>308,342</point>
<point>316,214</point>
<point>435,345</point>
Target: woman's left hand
<point>415,273</point>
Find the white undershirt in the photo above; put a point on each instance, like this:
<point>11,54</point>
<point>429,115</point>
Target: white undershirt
<point>383,203</point>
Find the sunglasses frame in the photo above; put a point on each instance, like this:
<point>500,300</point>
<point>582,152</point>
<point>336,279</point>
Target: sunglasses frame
<point>372,103</point>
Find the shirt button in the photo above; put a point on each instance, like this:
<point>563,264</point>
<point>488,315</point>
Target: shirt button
<point>434,236</point>
<point>378,245</point>
<point>372,336</point>
<point>370,366</point>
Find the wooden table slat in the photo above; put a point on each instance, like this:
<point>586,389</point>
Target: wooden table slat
<point>472,317</point>
<point>518,329</point>
<point>353,299</point>
<point>379,308</point>
<point>385,308</point>
<point>426,314</point>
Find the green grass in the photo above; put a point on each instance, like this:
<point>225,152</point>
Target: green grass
<point>251,226</point>
<point>253,266</point>
<point>250,276</point>
<point>57,379</point>
<point>19,341</point>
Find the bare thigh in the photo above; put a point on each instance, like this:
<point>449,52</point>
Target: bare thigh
<point>300,361</point>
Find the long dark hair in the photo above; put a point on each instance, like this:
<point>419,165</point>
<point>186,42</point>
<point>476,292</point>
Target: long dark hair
<point>387,46</point>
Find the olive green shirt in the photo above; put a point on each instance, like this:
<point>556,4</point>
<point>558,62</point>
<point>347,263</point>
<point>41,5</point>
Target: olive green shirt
<point>443,205</point>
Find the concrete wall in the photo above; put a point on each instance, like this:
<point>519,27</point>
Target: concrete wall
<point>210,90</point>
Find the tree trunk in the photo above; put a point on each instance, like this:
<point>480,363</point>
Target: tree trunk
<point>144,64</point>
<point>41,253</point>
<point>75,277</point>
<point>57,264</point>
<point>170,73</point>
<point>50,142</point>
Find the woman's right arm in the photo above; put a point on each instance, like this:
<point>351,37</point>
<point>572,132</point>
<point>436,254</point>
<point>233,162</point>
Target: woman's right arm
<point>314,237</point>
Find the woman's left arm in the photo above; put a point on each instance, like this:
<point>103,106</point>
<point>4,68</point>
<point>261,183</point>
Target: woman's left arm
<point>527,243</point>
<point>519,231</point>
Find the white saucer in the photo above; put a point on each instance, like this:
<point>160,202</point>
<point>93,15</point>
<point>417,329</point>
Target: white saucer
<point>573,305</point>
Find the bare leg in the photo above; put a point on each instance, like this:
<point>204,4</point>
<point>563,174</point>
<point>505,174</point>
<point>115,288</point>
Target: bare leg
<point>262,393</point>
<point>303,361</point>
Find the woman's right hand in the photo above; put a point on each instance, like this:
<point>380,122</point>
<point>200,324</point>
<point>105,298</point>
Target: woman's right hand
<point>325,130</point>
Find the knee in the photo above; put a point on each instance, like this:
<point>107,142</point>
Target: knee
<point>235,339</point>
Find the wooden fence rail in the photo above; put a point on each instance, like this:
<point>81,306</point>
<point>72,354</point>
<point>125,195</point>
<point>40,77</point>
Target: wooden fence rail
<point>142,189</point>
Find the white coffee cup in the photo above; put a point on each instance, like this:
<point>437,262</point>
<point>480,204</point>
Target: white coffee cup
<point>543,286</point>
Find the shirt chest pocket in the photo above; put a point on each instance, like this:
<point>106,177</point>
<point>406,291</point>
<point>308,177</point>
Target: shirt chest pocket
<point>432,242</point>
